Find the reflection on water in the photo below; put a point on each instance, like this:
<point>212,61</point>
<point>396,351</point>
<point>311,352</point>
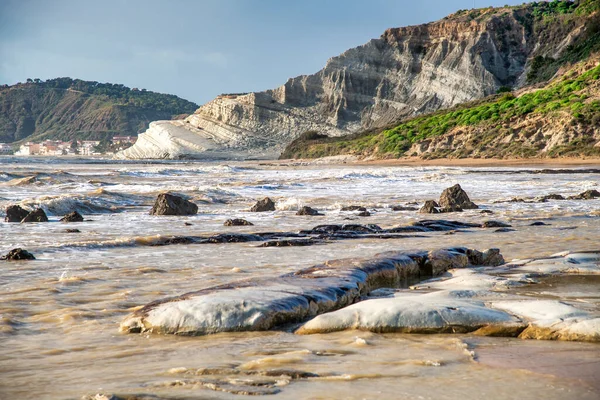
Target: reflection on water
<point>59,315</point>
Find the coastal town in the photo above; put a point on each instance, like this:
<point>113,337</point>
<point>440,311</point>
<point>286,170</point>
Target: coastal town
<point>70,148</point>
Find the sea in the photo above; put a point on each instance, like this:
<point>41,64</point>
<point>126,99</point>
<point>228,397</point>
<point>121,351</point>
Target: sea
<point>60,313</point>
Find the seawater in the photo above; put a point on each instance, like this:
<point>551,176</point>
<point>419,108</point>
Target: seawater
<point>59,315</point>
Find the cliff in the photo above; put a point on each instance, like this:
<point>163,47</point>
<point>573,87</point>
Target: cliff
<point>406,72</point>
<point>65,108</point>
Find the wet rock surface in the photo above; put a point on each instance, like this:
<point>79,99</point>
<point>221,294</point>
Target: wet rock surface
<point>495,224</point>
<point>261,304</point>
<point>456,198</point>
<point>430,207</point>
<point>15,213</point>
<point>263,205</point>
<point>37,215</point>
<point>17,254</point>
<point>72,217</point>
<point>169,204</point>
<point>353,208</point>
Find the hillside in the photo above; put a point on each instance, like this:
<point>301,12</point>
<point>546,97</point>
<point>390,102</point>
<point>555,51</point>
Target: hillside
<point>408,71</point>
<point>65,108</point>
<point>560,119</point>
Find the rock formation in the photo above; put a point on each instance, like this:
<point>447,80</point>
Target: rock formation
<point>168,204</point>
<point>17,254</point>
<point>37,215</point>
<point>72,217</point>
<point>15,214</point>
<point>407,71</point>
<point>263,205</point>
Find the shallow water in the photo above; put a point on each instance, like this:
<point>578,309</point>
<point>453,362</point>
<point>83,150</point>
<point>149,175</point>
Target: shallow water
<point>59,315</point>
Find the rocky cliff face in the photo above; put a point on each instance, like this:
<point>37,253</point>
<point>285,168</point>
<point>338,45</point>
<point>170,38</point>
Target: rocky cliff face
<point>407,71</point>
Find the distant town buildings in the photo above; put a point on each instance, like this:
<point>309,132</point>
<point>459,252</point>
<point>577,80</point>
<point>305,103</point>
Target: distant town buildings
<point>59,148</point>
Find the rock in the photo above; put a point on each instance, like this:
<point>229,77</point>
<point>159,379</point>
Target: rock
<point>539,223</point>
<point>354,208</point>
<point>308,211</point>
<point>492,258</point>
<point>237,222</point>
<point>18,254</point>
<point>37,215</point>
<point>430,207</point>
<point>288,243</point>
<point>495,224</point>
<point>72,217</point>
<point>486,212</point>
<point>15,214</point>
<point>404,208</point>
<point>265,204</point>
<point>72,231</point>
<point>168,204</point>
<point>552,196</point>
<point>364,214</point>
<point>455,196</point>
<point>422,313</point>
<point>451,209</point>
<point>504,230</point>
<point>439,261</point>
<point>587,195</point>
<point>187,224</point>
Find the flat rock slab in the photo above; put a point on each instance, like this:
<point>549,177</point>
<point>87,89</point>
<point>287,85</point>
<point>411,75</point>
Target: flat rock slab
<point>266,303</point>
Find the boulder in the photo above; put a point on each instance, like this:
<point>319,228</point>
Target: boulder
<point>430,207</point>
<point>72,231</point>
<point>308,211</point>
<point>539,223</point>
<point>15,214</point>
<point>37,215</point>
<point>168,204</point>
<point>265,204</point>
<point>237,222</point>
<point>404,208</point>
<point>492,258</point>
<point>364,214</point>
<point>72,217</point>
<point>18,254</point>
<point>455,196</point>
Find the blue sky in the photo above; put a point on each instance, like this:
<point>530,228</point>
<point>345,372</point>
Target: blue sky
<point>195,49</point>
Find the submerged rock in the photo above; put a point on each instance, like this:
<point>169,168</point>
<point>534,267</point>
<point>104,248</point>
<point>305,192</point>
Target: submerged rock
<point>72,217</point>
<point>308,211</point>
<point>237,222</point>
<point>72,231</point>
<point>495,224</point>
<point>168,204</point>
<point>263,205</point>
<point>353,208</point>
<point>454,198</point>
<point>264,303</point>
<point>18,254</point>
<point>37,215</point>
<point>15,214</point>
<point>364,214</point>
<point>404,208</point>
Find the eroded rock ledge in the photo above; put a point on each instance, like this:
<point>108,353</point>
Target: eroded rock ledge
<point>266,303</point>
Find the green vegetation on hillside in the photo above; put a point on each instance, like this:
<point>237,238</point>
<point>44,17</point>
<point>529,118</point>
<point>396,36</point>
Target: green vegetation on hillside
<point>563,95</point>
<point>65,109</point>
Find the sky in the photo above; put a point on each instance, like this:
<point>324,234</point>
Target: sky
<point>196,49</point>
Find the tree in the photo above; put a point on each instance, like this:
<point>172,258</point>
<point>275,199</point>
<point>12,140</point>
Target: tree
<point>75,147</point>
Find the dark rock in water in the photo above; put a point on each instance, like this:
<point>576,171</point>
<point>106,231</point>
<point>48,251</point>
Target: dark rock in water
<point>15,214</point>
<point>552,196</point>
<point>237,222</point>
<point>370,228</point>
<point>72,231</point>
<point>587,195</point>
<point>288,242</point>
<point>567,228</point>
<point>451,209</point>
<point>168,204</point>
<point>18,254</point>
<point>364,214</point>
<point>308,211</point>
<point>265,204</point>
<point>430,207</point>
<point>486,212</point>
<point>234,238</point>
<point>354,208</point>
<point>404,208</point>
<point>72,217</point>
<point>455,196</point>
<point>37,215</point>
<point>538,223</point>
<point>492,257</point>
<point>187,224</point>
<point>495,224</point>
<point>504,230</point>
